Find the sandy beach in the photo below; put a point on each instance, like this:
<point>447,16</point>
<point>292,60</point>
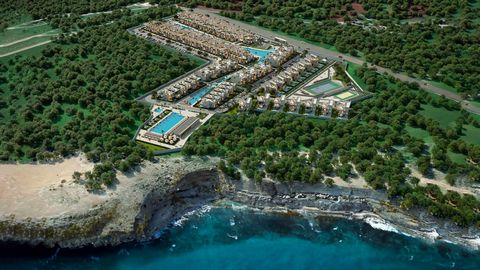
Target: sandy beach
<point>36,190</point>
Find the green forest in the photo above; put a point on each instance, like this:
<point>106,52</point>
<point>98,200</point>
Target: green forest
<point>78,95</point>
<point>375,143</point>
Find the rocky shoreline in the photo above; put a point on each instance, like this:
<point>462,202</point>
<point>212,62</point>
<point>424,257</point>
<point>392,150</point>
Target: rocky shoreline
<point>178,186</point>
<point>367,205</point>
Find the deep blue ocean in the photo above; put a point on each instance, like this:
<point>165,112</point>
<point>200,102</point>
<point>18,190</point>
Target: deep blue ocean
<point>241,238</point>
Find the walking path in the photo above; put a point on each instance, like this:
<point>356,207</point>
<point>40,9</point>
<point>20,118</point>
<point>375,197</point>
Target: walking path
<point>25,48</point>
<point>27,38</point>
<point>302,45</point>
<point>27,25</point>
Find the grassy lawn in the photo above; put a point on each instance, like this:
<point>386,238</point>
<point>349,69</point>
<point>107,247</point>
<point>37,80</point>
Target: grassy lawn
<point>471,134</point>
<point>447,119</point>
<point>15,34</point>
<point>457,158</point>
<point>443,86</point>
<point>24,29</point>
<point>421,134</point>
<point>23,44</point>
<point>151,147</point>
<point>443,116</point>
<point>425,136</point>
<point>352,68</point>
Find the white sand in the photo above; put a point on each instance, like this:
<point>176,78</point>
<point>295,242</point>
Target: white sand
<point>35,190</point>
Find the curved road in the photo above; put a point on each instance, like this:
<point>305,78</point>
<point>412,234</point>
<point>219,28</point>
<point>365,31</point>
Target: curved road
<point>301,45</point>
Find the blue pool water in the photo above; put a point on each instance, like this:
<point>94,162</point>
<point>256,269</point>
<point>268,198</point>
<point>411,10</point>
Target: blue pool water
<point>184,26</point>
<point>262,54</point>
<point>226,238</point>
<point>167,123</point>
<point>158,110</point>
<point>197,96</point>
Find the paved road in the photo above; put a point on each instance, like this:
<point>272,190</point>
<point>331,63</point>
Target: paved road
<point>301,45</point>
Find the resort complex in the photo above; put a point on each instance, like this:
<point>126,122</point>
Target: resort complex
<point>244,71</point>
<point>215,134</point>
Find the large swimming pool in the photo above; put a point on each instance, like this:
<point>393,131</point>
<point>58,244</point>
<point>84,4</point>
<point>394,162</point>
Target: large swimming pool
<point>167,123</point>
<point>262,54</point>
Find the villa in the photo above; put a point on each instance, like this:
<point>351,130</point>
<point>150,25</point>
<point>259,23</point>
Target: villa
<point>217,27</point>
<point>204,42</point>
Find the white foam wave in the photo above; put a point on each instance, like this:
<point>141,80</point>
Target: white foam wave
<point>380,224</point>
<point>199,212</point>
<point>232,236</point>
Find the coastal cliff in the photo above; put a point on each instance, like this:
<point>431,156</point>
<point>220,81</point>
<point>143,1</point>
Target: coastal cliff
<point>163,192</point>
<point>155,198</point>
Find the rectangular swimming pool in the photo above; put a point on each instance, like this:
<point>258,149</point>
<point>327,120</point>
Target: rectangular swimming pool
<point>167,123</point>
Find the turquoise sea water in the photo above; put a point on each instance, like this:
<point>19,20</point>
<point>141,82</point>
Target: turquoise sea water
<point>224,238</point>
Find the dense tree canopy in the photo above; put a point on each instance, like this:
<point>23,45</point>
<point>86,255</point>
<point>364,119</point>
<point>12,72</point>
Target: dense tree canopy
<point>374,144</point>
<point>79,94</point>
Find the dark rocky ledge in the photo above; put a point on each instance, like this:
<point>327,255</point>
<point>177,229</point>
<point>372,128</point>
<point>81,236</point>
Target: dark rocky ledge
<point>168,197</point>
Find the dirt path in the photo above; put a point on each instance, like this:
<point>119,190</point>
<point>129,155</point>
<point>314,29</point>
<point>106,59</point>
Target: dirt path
<point>26,25</point>
<point>25,48</point>
<point>27,38</point>
<point>440,182</point>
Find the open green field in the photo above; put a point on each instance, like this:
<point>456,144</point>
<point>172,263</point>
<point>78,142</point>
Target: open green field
<point>151,147</point>
<point>14,34</point>
<point>25,36</point>
<point>428,140</point>
<point>420,134</point>
<point>447,119</point>
<point>443,86</point>
<point>444,117</point>
<point>352,69</point>
<point>23,45</point>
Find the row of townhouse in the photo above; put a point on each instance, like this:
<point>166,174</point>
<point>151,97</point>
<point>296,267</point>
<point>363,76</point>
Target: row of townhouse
<point>280,56</point>
<point>181,88</point>
<point>217,70</point>
<point>204,42</point>
<point>217,27</point>
<point>218,95</point>
<point>317,106</point>
<point>291,73</point>
<point>252,74</point>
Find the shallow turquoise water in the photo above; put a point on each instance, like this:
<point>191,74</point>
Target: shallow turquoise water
<point>223,238</point>
<point>262,54</point>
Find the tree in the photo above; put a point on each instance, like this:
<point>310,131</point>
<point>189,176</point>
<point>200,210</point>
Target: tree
<point>76,176</point>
